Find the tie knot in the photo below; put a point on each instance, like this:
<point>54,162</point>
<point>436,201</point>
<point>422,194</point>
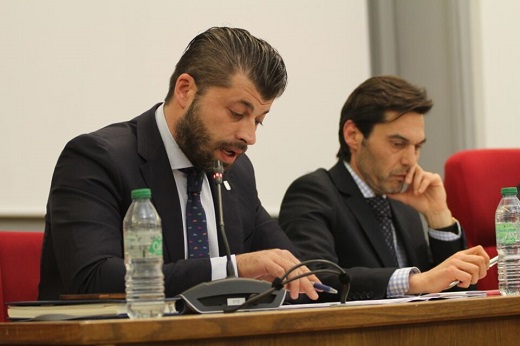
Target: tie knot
<point>380,206</point>
<point>194,177</point>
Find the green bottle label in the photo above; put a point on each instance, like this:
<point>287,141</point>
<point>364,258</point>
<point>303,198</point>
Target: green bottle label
<point>156,246</point>
<point>507,233</point>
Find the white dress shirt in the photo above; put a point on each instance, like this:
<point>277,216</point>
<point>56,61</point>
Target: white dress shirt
<point>178,161</point>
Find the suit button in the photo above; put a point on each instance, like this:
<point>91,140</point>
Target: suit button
<point>370,294</point>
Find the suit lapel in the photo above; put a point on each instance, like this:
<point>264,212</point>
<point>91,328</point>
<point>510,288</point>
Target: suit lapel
<point>158,176</point>
<point>355,201</point>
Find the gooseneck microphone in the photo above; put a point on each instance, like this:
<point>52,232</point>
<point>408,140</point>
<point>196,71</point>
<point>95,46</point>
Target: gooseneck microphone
<point>219,172</point>
<point>231,293</point>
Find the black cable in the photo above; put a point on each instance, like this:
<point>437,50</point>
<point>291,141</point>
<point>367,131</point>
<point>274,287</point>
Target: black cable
<point>279,283</point>
<point>343,276</point>
<point>317,271</point>
<point>324,261</point>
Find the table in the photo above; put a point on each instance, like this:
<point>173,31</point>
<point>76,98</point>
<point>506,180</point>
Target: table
<point>469,321</point>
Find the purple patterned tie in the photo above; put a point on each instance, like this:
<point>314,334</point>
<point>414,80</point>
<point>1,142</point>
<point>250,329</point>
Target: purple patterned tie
<point>196,227</point>
<point>381,208</point>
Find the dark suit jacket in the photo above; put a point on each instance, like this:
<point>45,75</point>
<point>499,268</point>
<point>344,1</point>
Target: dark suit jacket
<point>90,194</point>
<point>326,216</point>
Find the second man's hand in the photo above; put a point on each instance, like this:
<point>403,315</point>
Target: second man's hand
<point>492,262</point>
<point>425,193</point>
<point>466,266</point>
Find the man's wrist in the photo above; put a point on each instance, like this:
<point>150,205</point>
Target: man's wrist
<point>415,283</point>
<point>440,220</point>
<point>399,282</point>
<point>452,228</point>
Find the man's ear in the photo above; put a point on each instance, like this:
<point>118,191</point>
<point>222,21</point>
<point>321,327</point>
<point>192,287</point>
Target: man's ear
<point>352,136</point>
<point>185,90</point>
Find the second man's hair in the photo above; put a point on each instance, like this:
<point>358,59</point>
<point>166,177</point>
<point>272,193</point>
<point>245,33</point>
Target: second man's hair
<point>369,102</point>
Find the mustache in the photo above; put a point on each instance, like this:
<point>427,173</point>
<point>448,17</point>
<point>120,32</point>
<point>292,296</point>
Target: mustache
<point>235,145</point>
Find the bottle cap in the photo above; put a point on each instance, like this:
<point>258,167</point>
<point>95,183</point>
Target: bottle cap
<point>508,191</point>
<point>141,193</point>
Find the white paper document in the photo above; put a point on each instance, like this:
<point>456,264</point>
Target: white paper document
<point>406,299</point>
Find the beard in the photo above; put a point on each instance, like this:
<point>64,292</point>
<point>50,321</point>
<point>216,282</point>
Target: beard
<point>195,140</point>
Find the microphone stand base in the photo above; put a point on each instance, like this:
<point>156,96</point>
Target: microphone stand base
<point>215,296</point>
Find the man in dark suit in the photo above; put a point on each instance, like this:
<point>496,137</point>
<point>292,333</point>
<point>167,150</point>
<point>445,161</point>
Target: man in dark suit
<point>221,89</point>
<point>330,214</point>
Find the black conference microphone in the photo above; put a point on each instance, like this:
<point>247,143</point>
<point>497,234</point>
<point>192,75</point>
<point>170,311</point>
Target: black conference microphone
<point>221,295</point>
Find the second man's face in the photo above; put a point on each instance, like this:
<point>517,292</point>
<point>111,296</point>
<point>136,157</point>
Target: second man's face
<point>393,147</point>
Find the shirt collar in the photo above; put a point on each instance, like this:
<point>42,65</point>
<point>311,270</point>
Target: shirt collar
<point>365,189</point>
<point>175,155</point>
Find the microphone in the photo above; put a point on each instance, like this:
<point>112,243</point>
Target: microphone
<point>225,294</point>
<point>219,172</point>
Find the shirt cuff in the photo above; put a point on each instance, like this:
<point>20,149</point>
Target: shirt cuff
<point>454,232</point>
<point>219,267</point>
<point>399,282</point>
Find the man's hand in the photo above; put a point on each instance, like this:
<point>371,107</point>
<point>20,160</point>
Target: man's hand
<point>426,194</point>
<point>270,264</point>
<point>467,266</point>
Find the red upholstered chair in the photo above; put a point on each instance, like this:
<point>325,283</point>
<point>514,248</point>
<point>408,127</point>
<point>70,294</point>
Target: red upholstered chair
<point>19,267</point>
<point>473,179</point>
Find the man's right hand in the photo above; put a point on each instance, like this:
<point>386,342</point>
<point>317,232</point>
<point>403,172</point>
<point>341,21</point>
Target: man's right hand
<point>270,264</point>
<point>466,266</point>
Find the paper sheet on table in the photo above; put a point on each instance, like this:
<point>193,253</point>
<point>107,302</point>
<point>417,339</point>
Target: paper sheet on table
<point>406,299</point>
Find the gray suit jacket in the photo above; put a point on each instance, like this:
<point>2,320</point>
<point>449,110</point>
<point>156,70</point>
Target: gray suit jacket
<point>326,216</point>
<point>89,197</point>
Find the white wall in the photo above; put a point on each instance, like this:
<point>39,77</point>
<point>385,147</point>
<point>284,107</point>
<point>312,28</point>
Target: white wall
<point>499,48</point>
<point>68,67</point>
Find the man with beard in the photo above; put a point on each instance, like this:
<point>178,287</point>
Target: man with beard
<point>337,214</point>
<point>222,88</point>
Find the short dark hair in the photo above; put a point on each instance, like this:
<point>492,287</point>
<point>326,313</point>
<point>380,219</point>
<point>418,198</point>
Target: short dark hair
<point>369,102</point>
<point>217,54</point>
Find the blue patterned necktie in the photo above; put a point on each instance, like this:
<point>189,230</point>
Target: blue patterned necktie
<point>381,208</point>
<point>196,227</point>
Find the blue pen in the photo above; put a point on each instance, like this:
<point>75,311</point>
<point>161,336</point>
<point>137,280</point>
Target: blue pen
<point>324,288</point>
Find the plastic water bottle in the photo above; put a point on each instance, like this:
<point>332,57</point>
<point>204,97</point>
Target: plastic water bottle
<point>144,278</point>
<point>507,221</point>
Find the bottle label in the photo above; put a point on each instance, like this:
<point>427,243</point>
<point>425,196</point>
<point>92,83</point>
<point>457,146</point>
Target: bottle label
<point>156,246</point>
<point>507,233</point>
<point>143,244</point>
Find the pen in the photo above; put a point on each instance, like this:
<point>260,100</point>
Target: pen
<point>324,288</point>
<point>492,262</point>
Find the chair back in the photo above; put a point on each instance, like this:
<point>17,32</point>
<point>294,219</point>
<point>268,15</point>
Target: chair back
<point>473,179</point>
<point>19,267</point>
